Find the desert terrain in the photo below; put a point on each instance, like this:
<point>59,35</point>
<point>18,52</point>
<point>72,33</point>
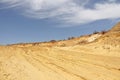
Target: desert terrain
<point>89,57</point>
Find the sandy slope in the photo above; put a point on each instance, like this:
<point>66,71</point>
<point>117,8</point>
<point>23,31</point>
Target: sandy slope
<point>97,60</point>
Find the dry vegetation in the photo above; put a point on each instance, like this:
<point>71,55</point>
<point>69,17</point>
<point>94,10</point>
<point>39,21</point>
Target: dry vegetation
<point>90,57</point>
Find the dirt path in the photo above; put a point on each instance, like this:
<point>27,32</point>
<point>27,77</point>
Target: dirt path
<point>58,64</point>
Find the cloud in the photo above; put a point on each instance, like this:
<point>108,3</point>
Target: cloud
<point>67,11</point>
<point>100,12</point>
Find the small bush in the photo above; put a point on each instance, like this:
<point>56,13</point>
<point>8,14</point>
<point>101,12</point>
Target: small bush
<point>71,38</point>
<point>63,45</point>
<point>35,44</point>
<point>95,32</point>
<point>103,32</point>
<point>53,41</point>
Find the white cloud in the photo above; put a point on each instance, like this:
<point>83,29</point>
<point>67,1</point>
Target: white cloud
<point>100,11</point>
<point>67,11</point>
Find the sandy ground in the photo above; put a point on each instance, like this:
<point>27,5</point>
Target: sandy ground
<point>58,63</point>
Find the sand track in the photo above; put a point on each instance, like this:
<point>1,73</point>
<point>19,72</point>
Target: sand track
<point>57,64</point>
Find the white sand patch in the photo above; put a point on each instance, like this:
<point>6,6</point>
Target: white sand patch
<point>93,37</point>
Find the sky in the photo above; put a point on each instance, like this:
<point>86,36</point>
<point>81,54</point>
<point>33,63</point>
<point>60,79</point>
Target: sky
<point>24,21</point>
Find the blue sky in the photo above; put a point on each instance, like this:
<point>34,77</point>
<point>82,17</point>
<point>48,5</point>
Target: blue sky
<point>44,20</point>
